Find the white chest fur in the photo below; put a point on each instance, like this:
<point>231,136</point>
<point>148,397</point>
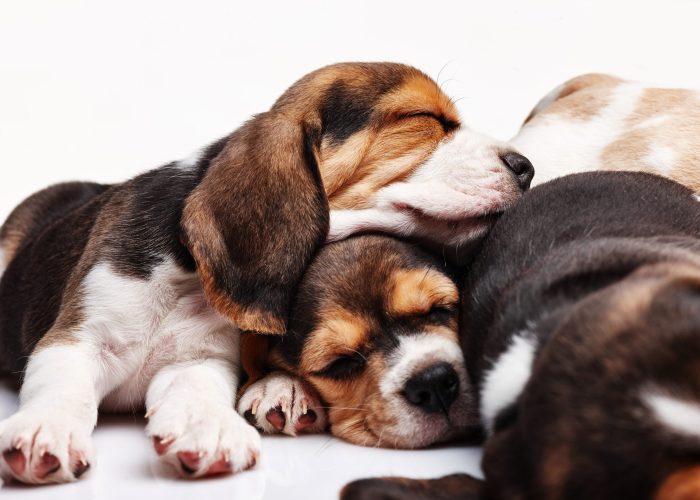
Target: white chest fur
<point>134,327</point>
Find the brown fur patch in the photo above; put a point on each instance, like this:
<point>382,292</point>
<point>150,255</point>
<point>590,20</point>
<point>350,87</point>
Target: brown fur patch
<point>556,468</point>
<point>580,98</point>
<point>416,291</point>
<point>681,485</point>
<point>71,314</point>
<point>357,411</point>
<point>453,487</point>
<point>255,350</point>
<point>679,133</point>
<point>400,137</point>
<point>339,332</point>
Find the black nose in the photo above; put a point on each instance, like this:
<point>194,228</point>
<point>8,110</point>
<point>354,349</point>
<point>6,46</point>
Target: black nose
<point>521,167</point>
<point>434,389</point>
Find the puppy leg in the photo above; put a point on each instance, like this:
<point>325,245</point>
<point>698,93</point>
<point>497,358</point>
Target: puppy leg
<point>192,420</point>
<point>282,403</point>
<point>48,439</point>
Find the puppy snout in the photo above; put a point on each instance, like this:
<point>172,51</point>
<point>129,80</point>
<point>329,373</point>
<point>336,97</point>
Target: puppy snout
<point>521,167</point>
<point>434,389</point>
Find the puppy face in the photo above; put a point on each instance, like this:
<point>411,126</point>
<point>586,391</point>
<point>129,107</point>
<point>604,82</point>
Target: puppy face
<point>374,329</point>
<point>395,157</point>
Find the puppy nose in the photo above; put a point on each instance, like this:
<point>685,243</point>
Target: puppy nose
<point>521,167</point>
<point>434,389</point>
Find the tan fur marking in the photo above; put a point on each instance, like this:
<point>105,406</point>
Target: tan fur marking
<point>681,485</point>
<point>357,411</point>
<point>679,132</point>
<point>392,146</point>
<point>71,314</point>
<point>339,331</point>
<point>555,469</point>
<point>416,291</point>
<point>255,350</point>
<point>419,94</point>
<point>581,98</point>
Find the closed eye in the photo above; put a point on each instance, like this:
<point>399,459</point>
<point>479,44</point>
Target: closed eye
<point>441,313</point>
<point>447,125</point>
<point>344,366</point>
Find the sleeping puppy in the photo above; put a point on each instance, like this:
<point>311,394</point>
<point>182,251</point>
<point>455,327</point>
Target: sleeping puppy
<point>134,294</point>
<point>373,331</point>
<point>583,344</point>
<point>601,122</point>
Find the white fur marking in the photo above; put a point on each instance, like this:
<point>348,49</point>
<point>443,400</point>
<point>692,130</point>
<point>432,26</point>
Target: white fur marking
<point>661,158</point>
<point>415,353</point>
<point>558,145</point>
<point>463,179</point>
<point>676,414</point>
<point>191,161</point>
<point>155,341</point>
<point>506,380</point>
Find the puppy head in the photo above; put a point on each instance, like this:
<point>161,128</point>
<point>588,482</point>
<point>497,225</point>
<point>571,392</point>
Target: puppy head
<point>407,165</point>
<point>610,408</point>
<point>378,144</point>
<point>374,329</point>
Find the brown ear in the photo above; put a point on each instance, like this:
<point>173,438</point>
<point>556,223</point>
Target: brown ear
<point>255,220</point>
<point>452,487</point>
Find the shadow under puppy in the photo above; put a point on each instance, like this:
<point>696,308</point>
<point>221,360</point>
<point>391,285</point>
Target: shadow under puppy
<point>580,323</point>
<point>120,296</point>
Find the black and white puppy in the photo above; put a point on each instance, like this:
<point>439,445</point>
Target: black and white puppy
<point>581,329</point>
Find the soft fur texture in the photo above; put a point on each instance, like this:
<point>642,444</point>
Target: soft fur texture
<point>606,302</point>
<point>373,332</point>
<point>602,122</point>
<point>135,294</point>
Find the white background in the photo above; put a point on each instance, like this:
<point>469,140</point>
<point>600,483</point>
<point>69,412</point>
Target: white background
<point>103,90</point>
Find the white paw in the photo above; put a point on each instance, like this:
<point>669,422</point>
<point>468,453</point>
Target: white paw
<point>202,438</point>
<point>44,446</point>
<point>281,403</point>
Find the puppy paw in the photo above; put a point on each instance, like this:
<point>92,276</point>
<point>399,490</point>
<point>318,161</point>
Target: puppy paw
<point>40,447</point>
<point>201,438</point>
<point>281,403</point>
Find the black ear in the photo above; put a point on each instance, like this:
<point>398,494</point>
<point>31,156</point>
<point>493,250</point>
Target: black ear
<point>452,487</point>
<point>256,219</point>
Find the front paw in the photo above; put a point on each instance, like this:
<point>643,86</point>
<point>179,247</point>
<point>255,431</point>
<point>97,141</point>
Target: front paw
<point>44,446</point>
<point>281,403</point>
<point>202,438</point>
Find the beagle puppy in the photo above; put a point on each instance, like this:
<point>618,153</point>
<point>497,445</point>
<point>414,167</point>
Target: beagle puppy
<point>582,343</point>
<point>134,294</point>
<point>372,335</point>
<point>601,122</point>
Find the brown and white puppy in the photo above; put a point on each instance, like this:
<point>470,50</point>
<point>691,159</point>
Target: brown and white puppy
<point>134,294</point>
<point>601,122</point>
<point>583,342</point>
<point>373,330</point>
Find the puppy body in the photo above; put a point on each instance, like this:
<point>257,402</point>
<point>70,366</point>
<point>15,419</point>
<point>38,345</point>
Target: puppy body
<point>134,294</point>
<point>601,122</point>
<point>582,344</point>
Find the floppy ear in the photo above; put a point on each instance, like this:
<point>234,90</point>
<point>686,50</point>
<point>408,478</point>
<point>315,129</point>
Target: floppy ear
<point>255,220</point>
<point>452,487</point>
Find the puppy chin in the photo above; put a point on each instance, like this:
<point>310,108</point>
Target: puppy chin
<point>416,429</point>
<point>449,230</point>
